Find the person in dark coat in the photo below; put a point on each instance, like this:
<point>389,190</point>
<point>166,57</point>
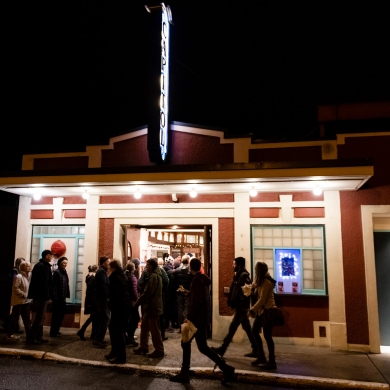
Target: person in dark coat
<point>198,314</point>
<point>60,293</point>
<point>135,261</point>
<point>119,303</point>
<point>101,286</point>
<point>89,303</point>
<point>133,319</point>
<point>240,303</point>
<point>168,308</point>
<point>40,291</point>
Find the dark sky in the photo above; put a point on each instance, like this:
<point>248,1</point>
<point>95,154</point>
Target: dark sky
<point>77,71</point>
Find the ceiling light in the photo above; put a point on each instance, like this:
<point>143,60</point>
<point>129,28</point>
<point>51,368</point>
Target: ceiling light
<point>317,191</point>
<point>252,192</point>
<point>193,193</point>
<point>37,196</point>
<point>137,194</point>
<point>85,195</point>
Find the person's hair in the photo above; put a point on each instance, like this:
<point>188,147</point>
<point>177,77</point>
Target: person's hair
<point>24,265</point>
<point>240,262</point>
<point>103,259</point>
<point>160,261</point>
<point>195,264</point>
<point>153,263</point>
<point>261,270</point>
<point>92,268</point>
<point>19,261</point>
<point>185,261</point>
<point>115,264</point>
<point>60,260</point>
<point>184,258</point>
<point>130,266</point>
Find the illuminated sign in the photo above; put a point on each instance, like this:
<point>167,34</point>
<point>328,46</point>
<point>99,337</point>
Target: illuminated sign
<point>158,115</point>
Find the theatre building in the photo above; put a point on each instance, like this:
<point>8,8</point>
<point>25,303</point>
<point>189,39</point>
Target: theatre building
<point>316,211</point>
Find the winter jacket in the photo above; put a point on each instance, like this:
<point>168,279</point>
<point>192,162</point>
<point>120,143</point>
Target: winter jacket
<point>183,277</point>
<point>236,298</point>
<point>133,287</point>
<point>143,280</point>
<point>20,289</point>
<point>151,298</point>
<point>101,284</point>
<point>41,283</point>
<point>89,303</point>
<point>199,306</point>
<point>119,291</point>
<point>60,285</point>
<point>265,296</point>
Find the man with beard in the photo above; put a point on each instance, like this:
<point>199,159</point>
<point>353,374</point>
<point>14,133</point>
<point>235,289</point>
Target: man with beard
<point>238,301</point>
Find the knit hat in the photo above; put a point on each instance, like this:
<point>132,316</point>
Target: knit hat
<point>136,262</point>
<point>60,260</point>
<point>240,262</point>
<point>46,252</point>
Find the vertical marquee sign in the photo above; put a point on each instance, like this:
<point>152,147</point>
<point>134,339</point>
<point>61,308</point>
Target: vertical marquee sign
<point>158,105</point>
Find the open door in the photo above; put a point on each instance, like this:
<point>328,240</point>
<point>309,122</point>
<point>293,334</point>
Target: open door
<point>208,268</point>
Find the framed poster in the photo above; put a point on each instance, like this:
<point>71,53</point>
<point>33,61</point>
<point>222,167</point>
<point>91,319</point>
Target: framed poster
<point>288,272</point>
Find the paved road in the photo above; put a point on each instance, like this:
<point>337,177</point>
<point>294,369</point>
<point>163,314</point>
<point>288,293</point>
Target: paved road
<point>19,374</point>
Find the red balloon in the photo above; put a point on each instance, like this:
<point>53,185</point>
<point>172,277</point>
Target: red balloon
<point>58,248</point>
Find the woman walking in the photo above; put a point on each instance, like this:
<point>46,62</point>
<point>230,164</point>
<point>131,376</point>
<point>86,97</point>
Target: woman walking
<point>89,303</point>
<point>264,284</point>
<point>60,293</point>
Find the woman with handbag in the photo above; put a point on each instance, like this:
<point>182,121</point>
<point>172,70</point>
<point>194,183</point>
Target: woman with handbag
<point>264,284</point>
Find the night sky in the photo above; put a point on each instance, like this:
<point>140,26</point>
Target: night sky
<point>77,71</point>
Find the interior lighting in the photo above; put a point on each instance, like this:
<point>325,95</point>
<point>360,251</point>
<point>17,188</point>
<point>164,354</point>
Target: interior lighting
<point>193,193</point>
<point>317,191</point>
<point>85,195</point>
<point>37,196</point>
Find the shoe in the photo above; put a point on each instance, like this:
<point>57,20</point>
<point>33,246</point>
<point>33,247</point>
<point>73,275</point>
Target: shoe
<point>259,360</point>
<point>13,337</point>
<point>269,366</point>
<point>80,333</point>
<point>59,334</point>
<point>132,343</point>
<point>43,341</point>
<point>156,355</point>
<point>140,351</point>
<point>117,360</point>
<point>180,378</point>
<point>99,344</point>
<point>228,375</point>
<point>109,356</point>
<point>135,337</point>
<point>251,354</point>
<point>165,338</point>
<point>55,335</point>
<point>20,331</point>
<point>32,342</point>
<point>220,351</point>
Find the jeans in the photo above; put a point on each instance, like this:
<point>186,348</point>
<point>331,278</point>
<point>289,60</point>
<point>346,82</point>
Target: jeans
<point>151,325</point>
<point>117,329</point>
<point>267,330</point>
<point>40,306</point>
<point>182,307</point>
<point>58,314</point>
<point>103,319</point>
<point>201,342</point>
<point>240,318</point>
<point>17,311</point>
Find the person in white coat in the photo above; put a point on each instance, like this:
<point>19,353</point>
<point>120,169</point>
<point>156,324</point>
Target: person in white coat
<point>19,302</point>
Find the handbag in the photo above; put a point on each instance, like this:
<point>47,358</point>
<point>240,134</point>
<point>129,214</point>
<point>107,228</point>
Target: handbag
<point>247,289</point>
<point>273,316</point>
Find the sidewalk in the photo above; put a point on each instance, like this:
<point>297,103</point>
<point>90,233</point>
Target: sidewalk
<point>307,366</point>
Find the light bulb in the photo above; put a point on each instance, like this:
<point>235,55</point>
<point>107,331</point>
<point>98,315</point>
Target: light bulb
<point>317,191</point>
<point>137,195</point>
<point>37,196</point>
<point>85,195</point>
<point>252,192</point>
<point>193,193</point>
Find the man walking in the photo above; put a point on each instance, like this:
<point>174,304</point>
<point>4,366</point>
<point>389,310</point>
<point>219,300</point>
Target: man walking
<point>101,298</point>
<point>198,314</point>
<point>238,301</point>
<point>152,308</point>
<point>41,292</point>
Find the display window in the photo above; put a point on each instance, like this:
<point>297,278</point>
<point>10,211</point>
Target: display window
<point>295,257</point>
<point>65,241</point>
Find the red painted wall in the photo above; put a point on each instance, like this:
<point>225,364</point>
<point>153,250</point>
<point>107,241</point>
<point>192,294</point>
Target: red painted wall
<point>258,212</point>
<point>60,163</point>
<point>42,214</point>
<point>308,153</point>
<point>77,213</point>
<point>106,237</point>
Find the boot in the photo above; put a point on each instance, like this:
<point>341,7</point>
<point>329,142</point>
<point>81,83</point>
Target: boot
<point>270,365</point>
<point>80,333</point>
<point>228,374</point>
<point>220,350</point>
<point>182,377</point>
<point>259,360</point>
<point>254,353</point>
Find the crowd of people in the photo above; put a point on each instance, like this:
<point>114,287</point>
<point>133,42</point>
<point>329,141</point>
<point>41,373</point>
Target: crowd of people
<point>165,295</point>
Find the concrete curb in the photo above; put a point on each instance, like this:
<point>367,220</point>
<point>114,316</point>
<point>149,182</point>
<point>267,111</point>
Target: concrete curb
<point>264,378</point>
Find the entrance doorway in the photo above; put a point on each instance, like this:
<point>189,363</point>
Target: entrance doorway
<point>168,242</point>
